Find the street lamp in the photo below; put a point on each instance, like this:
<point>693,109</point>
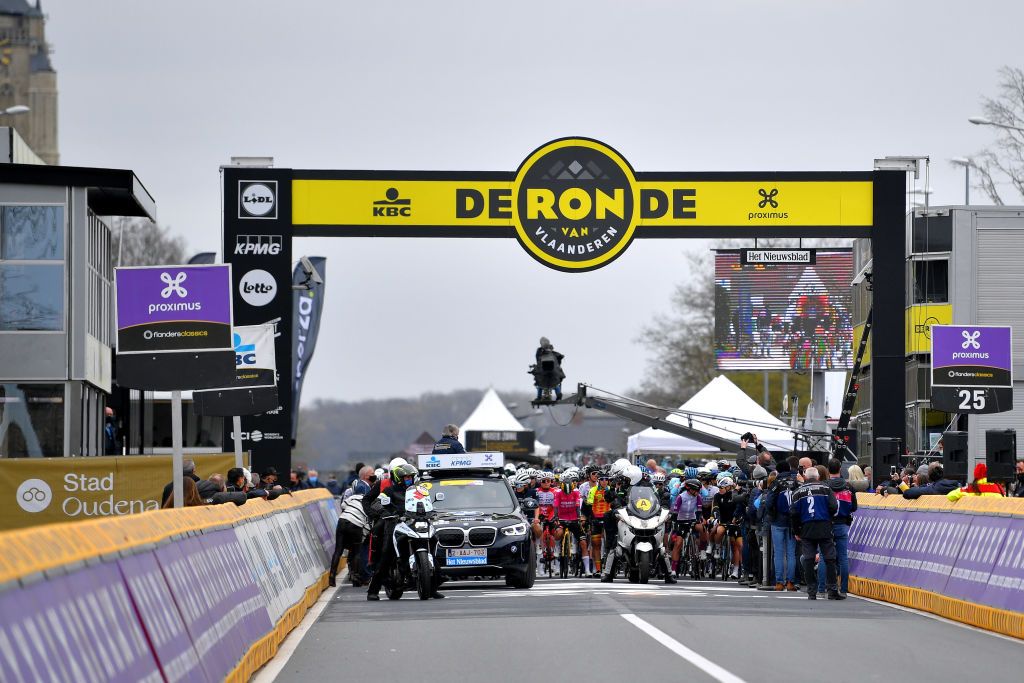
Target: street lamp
<point>16,109</point>
<point>966,163</point>
<point>982,121</point>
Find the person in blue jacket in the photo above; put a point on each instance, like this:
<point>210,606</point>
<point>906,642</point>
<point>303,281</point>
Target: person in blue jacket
<point>449,441</point>
<point>811,511</point>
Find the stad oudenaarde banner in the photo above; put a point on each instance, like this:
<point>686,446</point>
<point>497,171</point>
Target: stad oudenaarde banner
<point>307,310</point>
<point>45,490</point>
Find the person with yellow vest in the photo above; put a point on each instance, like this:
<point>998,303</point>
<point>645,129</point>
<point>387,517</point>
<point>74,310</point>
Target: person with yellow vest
<point>979,487</point>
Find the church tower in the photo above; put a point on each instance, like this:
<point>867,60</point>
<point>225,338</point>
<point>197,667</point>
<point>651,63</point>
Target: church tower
<point>27,77</point>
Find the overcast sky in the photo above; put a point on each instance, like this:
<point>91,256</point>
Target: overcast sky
<point>172,90</point>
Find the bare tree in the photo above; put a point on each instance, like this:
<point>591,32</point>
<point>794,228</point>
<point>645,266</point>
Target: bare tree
<point>141,242</point>
<point>1004,158</point>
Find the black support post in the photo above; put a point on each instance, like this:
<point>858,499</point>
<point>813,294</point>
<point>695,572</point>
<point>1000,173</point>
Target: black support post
<point>888,346</point>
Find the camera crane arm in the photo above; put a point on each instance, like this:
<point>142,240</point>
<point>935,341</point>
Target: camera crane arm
<point>650,416</point>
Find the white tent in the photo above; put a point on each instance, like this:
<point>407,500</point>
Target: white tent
<point>734,414</point>
<point>657,441</point>
<point>492,415</point>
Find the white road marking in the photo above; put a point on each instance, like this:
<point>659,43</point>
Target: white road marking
<point>269,671</point>
<point>702,663</point>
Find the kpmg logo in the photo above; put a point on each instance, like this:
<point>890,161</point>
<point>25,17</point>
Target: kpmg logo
<point>257,245</point>
<point>257,199</point>
<point>174,285</point>
<point>245,354</point>
<point>34,495</point>
<point>971,339</point>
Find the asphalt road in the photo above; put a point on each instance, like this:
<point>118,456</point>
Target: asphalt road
<point>693,631</point>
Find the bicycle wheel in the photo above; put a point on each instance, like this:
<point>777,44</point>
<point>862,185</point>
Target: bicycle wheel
<point>725,557</point>
<point>563,555</point>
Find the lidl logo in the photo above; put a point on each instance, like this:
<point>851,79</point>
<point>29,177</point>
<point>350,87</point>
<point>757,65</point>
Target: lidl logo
<point>575,204</point>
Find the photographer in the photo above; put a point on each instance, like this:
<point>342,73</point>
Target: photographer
<point>752,453</point>
<point>935,484</point>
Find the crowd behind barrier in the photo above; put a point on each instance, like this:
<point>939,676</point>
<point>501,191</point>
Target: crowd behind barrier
<point>962,560</point>
<point>195,594</point>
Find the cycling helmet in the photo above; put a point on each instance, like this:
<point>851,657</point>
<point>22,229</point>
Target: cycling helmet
<point>396,462</point>
<point>723,464</point>
<point>403,472</point>
<point>721,476</point>
<point>533,472</point>
<point>619,467</point>
<point>690,472</point>
<point>557,470</point>
<point>658,478</point>
<point>726,481</point>
<point>570,476</point>
<point>521,479</point>
<point>676,472</point>
<point>692,485</point>
<point>712,466</point>
<point>510,470</point>
<point>634,474</point>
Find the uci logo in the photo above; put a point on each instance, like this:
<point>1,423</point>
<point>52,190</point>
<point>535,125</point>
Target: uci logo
<point>574,204</point>
<point>34,495</point>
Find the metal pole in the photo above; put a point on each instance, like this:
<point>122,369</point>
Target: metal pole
<point>967,183</point>
<point>236,424</point>
<point>766,404</point>
<point>176,452</point>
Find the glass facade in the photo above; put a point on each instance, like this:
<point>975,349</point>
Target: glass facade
<point>32,253</point>
<point>31,420</point>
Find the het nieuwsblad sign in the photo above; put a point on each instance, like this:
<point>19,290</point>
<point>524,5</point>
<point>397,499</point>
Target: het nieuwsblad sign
<point>575,204</point>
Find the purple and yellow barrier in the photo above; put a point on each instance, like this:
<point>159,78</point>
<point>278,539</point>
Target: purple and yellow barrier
<point>197,594</point>
<point>963,560</point>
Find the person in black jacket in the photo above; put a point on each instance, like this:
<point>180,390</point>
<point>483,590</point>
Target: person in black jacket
<point>846,498</point>
<point>449,441</point>
<point>937,485</point>
<point>811,512</point>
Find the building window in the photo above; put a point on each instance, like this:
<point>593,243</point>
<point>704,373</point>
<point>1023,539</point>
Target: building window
<point>32,268</point>
<point>931,282</point>
<point>31,420</point>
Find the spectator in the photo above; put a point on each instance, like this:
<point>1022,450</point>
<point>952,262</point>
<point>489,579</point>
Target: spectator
<point>1017,487</point>
<point>846,498</point>
<point>814,506</point>
<point>294,482</point>
<point>856,478</point>
<point>111,438</point>
<point>217,480</point>
<point>978,487</point>
<point>269,479</point>
<point>868,473</point>
<point>312,481</point>
<point>777,508</point>
<point>190,494</point>
<point>362,483</point>
<point>333,486</point>
<point>353,474</point>
<point>238,482</point>
<point>188,469</point>
<point>801,466</point>
<point>352,529</point>
<point>935,484</point>
<point>822,472</point>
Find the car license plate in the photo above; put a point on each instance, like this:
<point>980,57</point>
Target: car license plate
<point>467,557</point>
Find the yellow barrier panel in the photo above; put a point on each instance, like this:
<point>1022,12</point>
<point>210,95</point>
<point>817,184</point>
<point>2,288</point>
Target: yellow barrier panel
<point>987,505</point>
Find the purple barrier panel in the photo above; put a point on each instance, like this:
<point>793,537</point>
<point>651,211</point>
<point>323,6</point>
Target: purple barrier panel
<point>1005,588</point>
<point>973,567</point>
<point>872,537</point>
<point>926,549</point>
<point>248,614</point>
<point>109,626</point>
<point>18,661</point>
<point>161,620</point>
<point>192,594</point>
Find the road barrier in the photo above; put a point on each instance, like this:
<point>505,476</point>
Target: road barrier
<point>193,594</point>
<point>963,560</point>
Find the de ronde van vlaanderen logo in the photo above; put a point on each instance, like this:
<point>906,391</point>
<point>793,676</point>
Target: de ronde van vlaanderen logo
<point>34,495</point>
<point>575,204</point>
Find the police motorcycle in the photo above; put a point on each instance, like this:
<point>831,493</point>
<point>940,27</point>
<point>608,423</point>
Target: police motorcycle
<point>641,525</point>
<point>414,543</point>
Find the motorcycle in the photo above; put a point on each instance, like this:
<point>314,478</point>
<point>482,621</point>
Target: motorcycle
<point>641,539</point>
<point>413,538</point>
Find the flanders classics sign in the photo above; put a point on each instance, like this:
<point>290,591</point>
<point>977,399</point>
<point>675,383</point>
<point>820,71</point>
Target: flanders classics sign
<point>575,204</point>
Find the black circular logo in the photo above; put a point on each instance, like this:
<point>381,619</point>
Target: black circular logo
<point>575,204</point>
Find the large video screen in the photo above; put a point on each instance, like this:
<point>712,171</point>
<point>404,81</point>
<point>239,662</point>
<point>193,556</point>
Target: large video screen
<point>783,316</point>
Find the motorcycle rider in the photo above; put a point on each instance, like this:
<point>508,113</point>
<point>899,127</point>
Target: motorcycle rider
<point>631,476</point>
<point>403,477</point>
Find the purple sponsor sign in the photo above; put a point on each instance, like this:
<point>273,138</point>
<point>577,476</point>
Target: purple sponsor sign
<point>971,356</point>
<point>173,308</point>
<point>160,618</point>
<point>982,545</point>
